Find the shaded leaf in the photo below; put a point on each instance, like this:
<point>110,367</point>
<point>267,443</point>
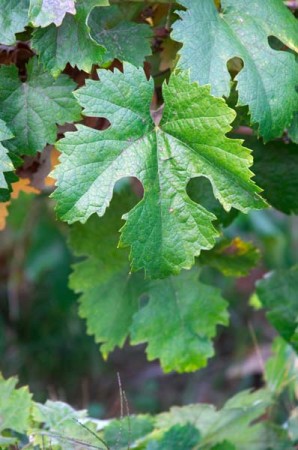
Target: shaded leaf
<point>69,43</point>
<point>123,39</point>
<point>276,166</point>
<point>13,19</point>
<point>179,322</point>
<point>279,296</point>
<point>234,258</point>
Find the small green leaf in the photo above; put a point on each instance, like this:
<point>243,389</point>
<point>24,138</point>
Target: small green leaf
<point>123,39</point>
<point>166,230</point>
<point>69,43</point>
<point>234,258</point>
<point>278,294</point>
<point>15,406</point>
<point>211,39</point>
<point>44,12</point>
<point>179,322</point>
<point>13,19</point>
<point>31,109</point>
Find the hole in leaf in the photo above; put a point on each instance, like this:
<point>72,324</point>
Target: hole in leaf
<point>234,66</point>
<point>131,183</point>
<point>97,123</point>
<point>200,191</point>
<point>275,43</point>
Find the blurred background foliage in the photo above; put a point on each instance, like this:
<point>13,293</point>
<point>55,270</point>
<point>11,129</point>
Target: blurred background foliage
<point>43,340</point>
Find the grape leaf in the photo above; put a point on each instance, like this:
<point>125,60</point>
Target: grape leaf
<point>32,108</point>
<point>268,78</point>
<point>276,166</point>
<point>166,229</point>
<point>13,19</point>
<point>44,12</point>
<point>111,299</point>
<point>123,39</point>
<point>5,162</point>
<point>278,294</point>
<point>15,406</point>
<point>234,258</point>
<point>69,43</point>
<point>179,331</point>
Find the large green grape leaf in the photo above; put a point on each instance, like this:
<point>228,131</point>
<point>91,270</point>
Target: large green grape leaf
<point>179,322</point>
<point>268,78</point>
<point>166,230</point>
<point>44,12</point>
<point>278,294</point>
<point>69,43</point>
<point>123,39</point>
<point>13,19</point>
<point>32,108</point>
<point>5,162</point>
<point>15,406</point>
<point>276,168</point>
<point>180,316</point>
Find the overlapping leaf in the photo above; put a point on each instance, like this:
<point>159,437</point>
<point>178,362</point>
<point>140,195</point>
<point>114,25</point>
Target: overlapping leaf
<point>181,314</point>
<point>14,406</point>
<point>44,12</point>
<point>166,230</point>
<point>13,19</point>
<point>179,322</point>
<point>71,42</point>
<point>268,78</point>
<point>279,296</point>
<point>123,39</point>
<point>31,109</point>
